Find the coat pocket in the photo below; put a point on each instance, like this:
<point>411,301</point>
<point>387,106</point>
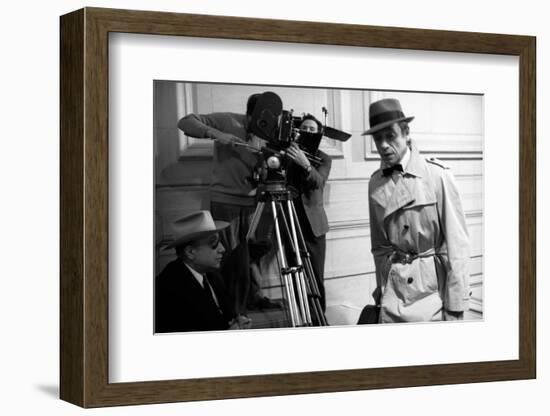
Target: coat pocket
<point>414,281</point>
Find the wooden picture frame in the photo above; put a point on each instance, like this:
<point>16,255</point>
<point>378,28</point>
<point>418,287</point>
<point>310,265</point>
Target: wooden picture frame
<point>84,207</point>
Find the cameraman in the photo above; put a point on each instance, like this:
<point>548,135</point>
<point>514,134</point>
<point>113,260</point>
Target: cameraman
<point>309,182</point>
<point>232,194</point>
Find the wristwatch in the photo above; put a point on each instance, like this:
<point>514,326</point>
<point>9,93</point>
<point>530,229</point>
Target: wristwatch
<point>308,169</point>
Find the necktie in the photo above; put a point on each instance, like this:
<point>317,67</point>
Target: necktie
<point>395,168</point>
<point>208,291</point>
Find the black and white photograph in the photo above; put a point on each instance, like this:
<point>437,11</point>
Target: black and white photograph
<point>294,206</point>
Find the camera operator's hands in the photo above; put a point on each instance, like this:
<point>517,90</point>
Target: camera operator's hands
<point>295,154</point>
<point>224,138</point>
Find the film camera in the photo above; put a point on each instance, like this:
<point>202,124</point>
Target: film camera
<point>280,128</point>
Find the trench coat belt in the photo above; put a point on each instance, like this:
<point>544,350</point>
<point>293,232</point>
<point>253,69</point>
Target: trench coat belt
<point>404,257</point>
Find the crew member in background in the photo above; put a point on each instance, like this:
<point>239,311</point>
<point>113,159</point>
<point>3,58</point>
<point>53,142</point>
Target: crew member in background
<point>309,182</point>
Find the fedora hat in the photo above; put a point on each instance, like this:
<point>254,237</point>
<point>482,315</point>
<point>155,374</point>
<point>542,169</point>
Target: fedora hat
<point>384,113</point>
<point>193,227</point>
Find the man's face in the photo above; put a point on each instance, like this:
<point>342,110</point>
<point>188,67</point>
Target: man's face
<point>207,253</point>
<point>309,126</point>
<point>391,144</point>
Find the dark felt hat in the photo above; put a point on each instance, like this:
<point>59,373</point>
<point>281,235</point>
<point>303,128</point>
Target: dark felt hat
<point>384,113</point>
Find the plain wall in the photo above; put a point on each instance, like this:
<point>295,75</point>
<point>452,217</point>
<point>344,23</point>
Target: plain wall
<point>29,163</point>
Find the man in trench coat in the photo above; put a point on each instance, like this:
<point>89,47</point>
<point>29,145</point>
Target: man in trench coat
<point>419,237</point>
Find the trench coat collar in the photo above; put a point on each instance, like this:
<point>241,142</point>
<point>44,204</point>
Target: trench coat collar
<point>393,196</point>
<point>417,165</point>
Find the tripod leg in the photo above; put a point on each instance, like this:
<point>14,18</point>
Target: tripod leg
<point>317,309</point>
<point>315,293</point>
<point>255,220</point>
<point>296,270</point>
<point>300,279</point>
<point>285,276</point>
<point>287,232</point>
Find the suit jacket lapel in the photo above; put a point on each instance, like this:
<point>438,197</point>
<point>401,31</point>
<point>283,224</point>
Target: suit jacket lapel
<point>189,279</point>
<point>194,288</point>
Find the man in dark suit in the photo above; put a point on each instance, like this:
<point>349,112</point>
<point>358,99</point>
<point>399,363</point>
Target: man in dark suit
<point>189,293</point>
<point>309,182</point>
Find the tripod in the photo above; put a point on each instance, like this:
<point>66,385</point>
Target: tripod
<point>300,288</point>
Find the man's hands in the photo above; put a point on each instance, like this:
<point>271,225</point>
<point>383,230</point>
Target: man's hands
<point>240,322</point>
<point>296,154</point>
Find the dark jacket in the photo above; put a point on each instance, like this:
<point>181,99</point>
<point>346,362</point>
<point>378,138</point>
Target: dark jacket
<point>182,305</point>
<point>310,187</point>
